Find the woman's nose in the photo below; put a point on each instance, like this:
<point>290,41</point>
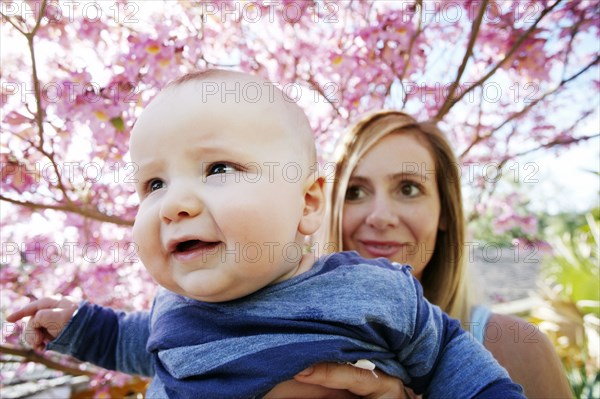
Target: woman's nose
<point>180,202</point>
<point>382,215</point>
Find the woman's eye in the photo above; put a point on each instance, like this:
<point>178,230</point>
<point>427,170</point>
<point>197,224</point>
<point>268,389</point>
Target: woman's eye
<point>219,168</point>
<point>409,189</point>
<point>354,193</point>
<point>155,184</point>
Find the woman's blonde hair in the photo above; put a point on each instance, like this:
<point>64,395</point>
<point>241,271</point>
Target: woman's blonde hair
<point>444,278</point>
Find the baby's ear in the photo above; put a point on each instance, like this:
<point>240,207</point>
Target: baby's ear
<point>314,207</point>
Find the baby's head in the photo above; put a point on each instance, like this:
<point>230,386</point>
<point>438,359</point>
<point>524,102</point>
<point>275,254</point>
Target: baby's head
<point>227,186</point>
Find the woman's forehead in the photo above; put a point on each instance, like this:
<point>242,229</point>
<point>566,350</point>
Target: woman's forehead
<point>395,148</point>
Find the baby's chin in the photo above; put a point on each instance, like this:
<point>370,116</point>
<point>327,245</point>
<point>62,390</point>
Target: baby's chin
<point>196,285</point>
<point>203,296</point>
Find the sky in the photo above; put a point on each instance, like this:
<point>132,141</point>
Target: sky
<point>565,181</point>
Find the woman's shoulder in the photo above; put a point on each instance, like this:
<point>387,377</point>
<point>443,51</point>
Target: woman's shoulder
<point>513,334</point>
<point>528,356</point>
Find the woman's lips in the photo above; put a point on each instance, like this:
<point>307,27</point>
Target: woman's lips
<point>380,249</point>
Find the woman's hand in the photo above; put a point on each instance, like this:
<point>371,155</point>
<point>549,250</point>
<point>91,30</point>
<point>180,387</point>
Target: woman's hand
<point>293,389</point>
<point>349,379</point>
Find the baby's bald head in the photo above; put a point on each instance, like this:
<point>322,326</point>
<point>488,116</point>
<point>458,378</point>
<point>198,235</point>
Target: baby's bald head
<point>225,161</point>
<point>263,96</point>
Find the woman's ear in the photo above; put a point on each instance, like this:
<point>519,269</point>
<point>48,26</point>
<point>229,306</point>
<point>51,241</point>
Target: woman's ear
<point>314,207</point>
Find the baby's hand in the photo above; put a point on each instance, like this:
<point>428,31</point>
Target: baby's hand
<point>48,318</point>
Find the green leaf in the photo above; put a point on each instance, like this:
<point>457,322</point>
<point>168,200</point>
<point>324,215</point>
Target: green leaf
<point>118,123</point>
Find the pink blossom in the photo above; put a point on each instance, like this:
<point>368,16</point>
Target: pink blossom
<point>95,76</point>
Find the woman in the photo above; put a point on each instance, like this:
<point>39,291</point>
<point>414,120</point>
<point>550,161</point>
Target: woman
<point>397,195</point>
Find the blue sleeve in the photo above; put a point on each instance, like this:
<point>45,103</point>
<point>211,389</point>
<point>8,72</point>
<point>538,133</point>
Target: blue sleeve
<point>107,338</point>
<point>460,366</point>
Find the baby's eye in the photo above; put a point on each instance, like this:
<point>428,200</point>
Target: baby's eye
<point>355,193</point>
<point>221,167</point>
<point>155,184</point>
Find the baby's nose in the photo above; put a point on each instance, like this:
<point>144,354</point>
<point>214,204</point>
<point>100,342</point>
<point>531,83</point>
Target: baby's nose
<point>179,203</point>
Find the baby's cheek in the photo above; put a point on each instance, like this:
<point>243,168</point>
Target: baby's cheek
<point>146,236</point>
<point>137,235</point>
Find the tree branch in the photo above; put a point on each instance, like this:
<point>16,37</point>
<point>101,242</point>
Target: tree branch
<point>86,212</point>
<point>527,108</point>
<point>12,23</point>
<point>311,80</point>
<point>36,83</point>
<point>492,187</point>
<point>30,355</point>
<point>407,55</point>
<point>440,115</point>
<point>555,143</point>
<point>39,115</point>
<point>574,31</point>
<point>547,94</point>
<point>461,69</point>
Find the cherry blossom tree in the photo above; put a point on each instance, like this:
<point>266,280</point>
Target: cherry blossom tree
<point>504,79</point>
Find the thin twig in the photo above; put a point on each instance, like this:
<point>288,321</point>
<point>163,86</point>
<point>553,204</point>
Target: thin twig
<point>546,95</point>
<point>13,24</point>
<point>461,69</point>
<point>474,214</point>
<point>407,55</point>
<point>440,115</point>
<point>527,108</point>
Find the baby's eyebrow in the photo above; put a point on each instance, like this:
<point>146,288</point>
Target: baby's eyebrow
<point>211,150</point>
<point>149,163</point>
<point>145,169</point>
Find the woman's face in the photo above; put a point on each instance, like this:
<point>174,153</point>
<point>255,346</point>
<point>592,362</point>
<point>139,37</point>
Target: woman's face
<point>392,205</point>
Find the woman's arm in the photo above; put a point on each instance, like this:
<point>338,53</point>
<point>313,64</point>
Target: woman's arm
<point>528,356</point>
<point>520,347</point>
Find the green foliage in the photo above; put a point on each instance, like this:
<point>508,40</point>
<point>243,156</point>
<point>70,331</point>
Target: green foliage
<point>118,123</point>
<point>574,267</point>
<point>583,384</point>
<point>573,275</point>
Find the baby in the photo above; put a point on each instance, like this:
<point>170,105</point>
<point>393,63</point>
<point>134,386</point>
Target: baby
<point>228,195</point>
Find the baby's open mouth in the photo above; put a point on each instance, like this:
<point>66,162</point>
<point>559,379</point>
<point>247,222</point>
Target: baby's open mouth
<point>192,245</point>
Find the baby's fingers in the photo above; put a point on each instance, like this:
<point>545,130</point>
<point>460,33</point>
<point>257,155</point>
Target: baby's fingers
<point>35,337</point>
<point>43,327</point>
<point>31,308</point>
<point>67,305</point>
<point>50,321</point>
<point>27,310</point>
